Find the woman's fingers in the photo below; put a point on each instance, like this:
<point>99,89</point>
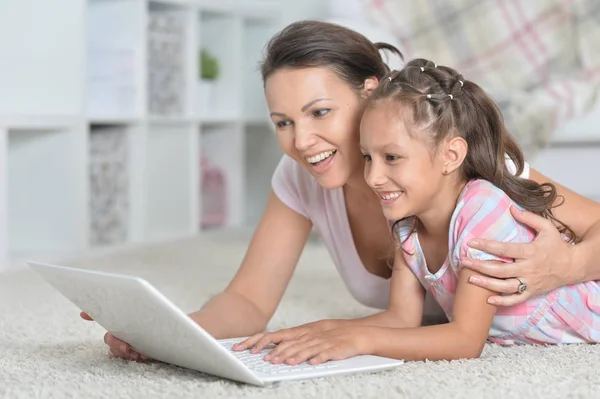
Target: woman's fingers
<point>508,300</point>
<point>85,316</point>
<point>493,268</point>
<point>508,286</point>
<point>532,220</point>
<point>501,249</point>
<point>120,348</point>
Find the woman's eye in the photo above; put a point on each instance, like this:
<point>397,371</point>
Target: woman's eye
<point>391,158</point>
<point>321,112</point>
<point>367,157</point>
<point>282,124</point>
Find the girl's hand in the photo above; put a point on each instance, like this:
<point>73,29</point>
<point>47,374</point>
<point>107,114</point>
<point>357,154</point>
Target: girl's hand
<point>543,264</point>
<point>259,341</point>
<point>117,348</point>
<point>336,344</point>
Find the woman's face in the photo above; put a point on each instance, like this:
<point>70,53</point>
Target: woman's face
<point>316,117</point>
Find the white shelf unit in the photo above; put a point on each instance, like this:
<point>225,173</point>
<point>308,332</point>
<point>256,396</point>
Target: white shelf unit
<point>118,98</point>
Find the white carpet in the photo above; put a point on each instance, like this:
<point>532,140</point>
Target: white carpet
<point>47,351</point>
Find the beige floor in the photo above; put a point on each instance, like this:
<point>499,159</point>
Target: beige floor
<point>46,351</point>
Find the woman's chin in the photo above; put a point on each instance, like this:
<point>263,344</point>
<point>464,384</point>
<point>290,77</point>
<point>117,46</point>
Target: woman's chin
<point>331,180</point>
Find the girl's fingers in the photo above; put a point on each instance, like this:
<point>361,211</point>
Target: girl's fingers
<point>248,342</point>
<point>280,348</point>
<point>305,353</point>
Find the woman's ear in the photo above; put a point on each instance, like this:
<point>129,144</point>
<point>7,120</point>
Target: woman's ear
<point>369,85</point>
<point>454,154</point>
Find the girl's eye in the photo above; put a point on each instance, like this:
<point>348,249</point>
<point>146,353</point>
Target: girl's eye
<point>321,112</point>
<point>367,157</point>
<point>282,124</point>
<point>391,158</point>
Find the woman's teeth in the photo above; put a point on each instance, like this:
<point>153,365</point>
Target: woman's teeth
<point>390,196</point>
<point>319,157</point>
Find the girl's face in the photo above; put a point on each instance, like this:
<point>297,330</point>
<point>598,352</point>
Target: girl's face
<point>316,117</point>
<point>402,169</point>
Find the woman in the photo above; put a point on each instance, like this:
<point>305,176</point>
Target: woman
<point>316,78</point>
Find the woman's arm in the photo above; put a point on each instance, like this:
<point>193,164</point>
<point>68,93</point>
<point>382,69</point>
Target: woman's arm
<point>548,262</point>
<point>251,298</point>
<point>249,301</point>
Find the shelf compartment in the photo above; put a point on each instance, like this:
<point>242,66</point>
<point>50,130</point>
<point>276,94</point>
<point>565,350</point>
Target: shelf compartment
<point>220,36</point>
<point>168,33</point>
<point>46,190</point>
<point>169,169</point>
<point>223,147</point>
<point>109,183</point>
<point>114,59</point>
<point>257,35</point>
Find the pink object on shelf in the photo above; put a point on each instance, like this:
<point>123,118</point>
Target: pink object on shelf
<point>213,194</point>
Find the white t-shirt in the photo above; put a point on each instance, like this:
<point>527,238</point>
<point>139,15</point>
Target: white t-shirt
<point>296,188</point>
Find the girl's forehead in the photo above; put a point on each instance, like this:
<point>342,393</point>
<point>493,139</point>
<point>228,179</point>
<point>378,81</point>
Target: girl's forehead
<point>385,124</point>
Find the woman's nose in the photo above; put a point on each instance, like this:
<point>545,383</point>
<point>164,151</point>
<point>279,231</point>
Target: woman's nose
<point>305,138</point>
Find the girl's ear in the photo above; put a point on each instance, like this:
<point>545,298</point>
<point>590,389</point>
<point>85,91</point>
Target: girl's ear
<point>454,154</point>
<point>369,85</point>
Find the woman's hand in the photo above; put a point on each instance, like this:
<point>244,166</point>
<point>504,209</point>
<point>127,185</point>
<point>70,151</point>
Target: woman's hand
<point>259,341</point>
<point>543,264</point>
<point>117,348</point>
<point>335,344</point>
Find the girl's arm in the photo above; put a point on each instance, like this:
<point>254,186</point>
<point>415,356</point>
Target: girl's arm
<point>462,338</point>
<point>407,299</point>
<point>405,309</point>
<point>548,262</point>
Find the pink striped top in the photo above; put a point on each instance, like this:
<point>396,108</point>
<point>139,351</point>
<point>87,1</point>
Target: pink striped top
<point>569,314</point>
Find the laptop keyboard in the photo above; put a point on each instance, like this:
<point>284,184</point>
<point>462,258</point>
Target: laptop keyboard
<point>255,361</point>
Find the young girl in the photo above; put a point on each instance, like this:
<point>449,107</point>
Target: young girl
<point>435,147</point>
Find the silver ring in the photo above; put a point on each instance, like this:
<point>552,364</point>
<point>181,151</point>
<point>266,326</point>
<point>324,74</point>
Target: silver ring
<point>522,286</point>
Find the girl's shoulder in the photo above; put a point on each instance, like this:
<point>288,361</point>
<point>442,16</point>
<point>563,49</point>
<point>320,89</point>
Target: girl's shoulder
<point>480,193</point>
<point>481,204</point>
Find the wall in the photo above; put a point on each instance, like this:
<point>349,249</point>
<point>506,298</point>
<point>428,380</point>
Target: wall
<point>262,150</point>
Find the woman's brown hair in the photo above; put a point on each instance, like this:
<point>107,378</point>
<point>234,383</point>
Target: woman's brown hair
<point>441,102</point>
<point>347,53</point>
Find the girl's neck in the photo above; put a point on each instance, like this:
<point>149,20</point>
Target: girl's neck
<point>435,221</point>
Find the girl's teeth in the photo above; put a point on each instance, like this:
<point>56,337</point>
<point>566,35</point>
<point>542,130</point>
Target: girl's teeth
<point>320,157</point>
<point>390,196</point>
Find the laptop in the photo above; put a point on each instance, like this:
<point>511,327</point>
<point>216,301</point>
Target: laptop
<point>134,311</point>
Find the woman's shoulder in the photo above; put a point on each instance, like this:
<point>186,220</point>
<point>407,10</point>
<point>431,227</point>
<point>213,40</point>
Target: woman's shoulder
<point>295,186</point>
<point>290,173</point>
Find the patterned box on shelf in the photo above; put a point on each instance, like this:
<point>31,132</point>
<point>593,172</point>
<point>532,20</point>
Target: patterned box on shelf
<point>166,63</point>
<point>109,180</point>
<point>213,195</point>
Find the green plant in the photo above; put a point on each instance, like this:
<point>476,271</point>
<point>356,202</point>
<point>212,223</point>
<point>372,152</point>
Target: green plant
<point>209,66</point>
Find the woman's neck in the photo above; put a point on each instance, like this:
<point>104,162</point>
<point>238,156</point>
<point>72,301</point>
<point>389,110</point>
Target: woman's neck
<point>435,221</point>
<point>357,187</point>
